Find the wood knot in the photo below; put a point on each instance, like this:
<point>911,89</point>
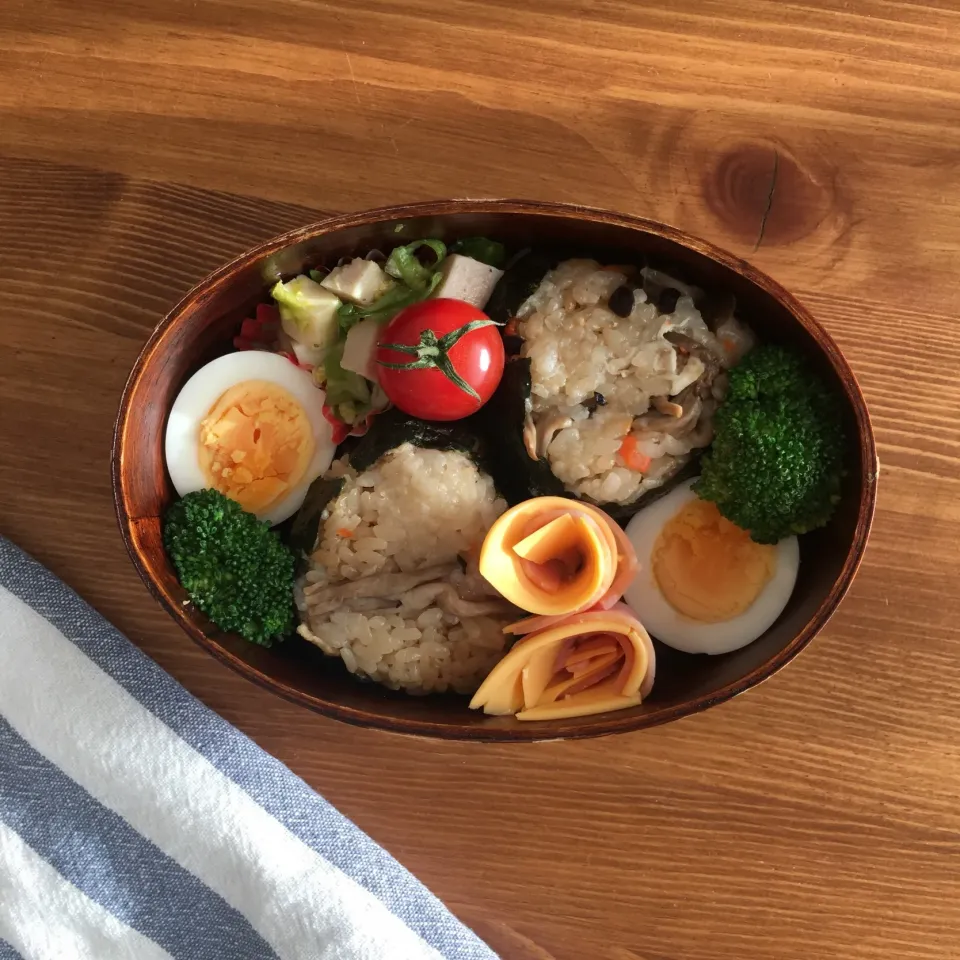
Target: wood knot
<point>761,194</point>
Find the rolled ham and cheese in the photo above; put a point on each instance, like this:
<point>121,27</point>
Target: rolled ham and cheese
<point>553,556</point>
<point>572,666</point>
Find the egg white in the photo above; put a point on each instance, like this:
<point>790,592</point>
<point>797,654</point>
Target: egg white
<point>683,633</point>
<point>207,385</point>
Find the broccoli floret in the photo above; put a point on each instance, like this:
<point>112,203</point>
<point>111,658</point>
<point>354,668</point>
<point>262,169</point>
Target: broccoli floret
<point>775,464</point>
<point>233,566</point>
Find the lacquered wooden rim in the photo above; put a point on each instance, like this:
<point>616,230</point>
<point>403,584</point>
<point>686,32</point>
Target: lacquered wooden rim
<point>603,724</point>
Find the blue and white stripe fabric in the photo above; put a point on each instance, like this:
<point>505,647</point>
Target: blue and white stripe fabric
<point>135,824</point>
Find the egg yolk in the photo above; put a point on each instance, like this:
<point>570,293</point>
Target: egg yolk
<point>255,444</point>
<point>706,567</point>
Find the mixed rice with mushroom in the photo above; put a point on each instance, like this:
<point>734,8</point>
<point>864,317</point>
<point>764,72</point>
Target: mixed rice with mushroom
<point>392,587</point>
<point>616,353</point>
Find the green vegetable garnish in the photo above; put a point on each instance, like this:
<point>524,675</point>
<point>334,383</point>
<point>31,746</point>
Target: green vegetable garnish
<point>309,309</point>
<point>343,386</point>
<point>388,306</point>
<point>234,567</point>
<point>490,252</point>
<point>404,265</point>
<point>776,461</point>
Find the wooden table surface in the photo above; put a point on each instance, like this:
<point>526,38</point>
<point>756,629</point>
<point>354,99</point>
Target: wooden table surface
<point>144,142</point>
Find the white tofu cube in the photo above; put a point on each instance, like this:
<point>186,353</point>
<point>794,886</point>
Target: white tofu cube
<point>360,349</point>
<point>463,278</point>
<point>359,281</point>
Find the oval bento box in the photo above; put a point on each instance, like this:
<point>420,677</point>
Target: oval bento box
<point>201,326</point>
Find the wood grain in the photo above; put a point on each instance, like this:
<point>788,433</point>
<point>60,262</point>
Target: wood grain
<point>814,817</point>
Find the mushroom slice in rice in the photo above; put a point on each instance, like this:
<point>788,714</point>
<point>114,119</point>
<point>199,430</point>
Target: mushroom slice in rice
<point>690,407</point>
<point>444,595</point>
<point>538,437</point>
<point>530,436</point>
<point>709,353</point>
<point>375,585</point>
<point>550,427</point>
<point>439,593</point>
<point>667,407</point>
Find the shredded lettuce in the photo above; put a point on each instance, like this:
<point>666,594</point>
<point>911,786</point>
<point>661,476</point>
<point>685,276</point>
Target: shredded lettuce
<point>308,311</point>
<point>404,265</point>
<point>350,396</point>
<point>343,385</point>
<point>387,306</point>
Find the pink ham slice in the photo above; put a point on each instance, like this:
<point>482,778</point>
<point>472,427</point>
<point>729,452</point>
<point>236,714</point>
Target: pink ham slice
<point>554,557</point>
<point>626,556</point>
<point>627,566</point>
<point>581,664</point>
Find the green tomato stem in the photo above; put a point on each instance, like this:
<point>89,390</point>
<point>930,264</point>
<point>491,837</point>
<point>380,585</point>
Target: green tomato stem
<point>433,353</point>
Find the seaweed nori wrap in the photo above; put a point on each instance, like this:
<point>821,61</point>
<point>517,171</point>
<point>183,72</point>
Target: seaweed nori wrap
<point>388,431</point>
<point>508,420</point>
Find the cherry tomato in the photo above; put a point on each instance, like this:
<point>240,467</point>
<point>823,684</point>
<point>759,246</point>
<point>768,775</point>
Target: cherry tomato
<point>440,359</point>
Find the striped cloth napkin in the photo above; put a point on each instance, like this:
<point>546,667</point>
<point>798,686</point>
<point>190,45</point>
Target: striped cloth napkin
<point>135,824</point>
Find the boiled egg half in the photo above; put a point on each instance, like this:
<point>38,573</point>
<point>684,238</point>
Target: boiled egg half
<point>251,425</point>
<point>703,585</point>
